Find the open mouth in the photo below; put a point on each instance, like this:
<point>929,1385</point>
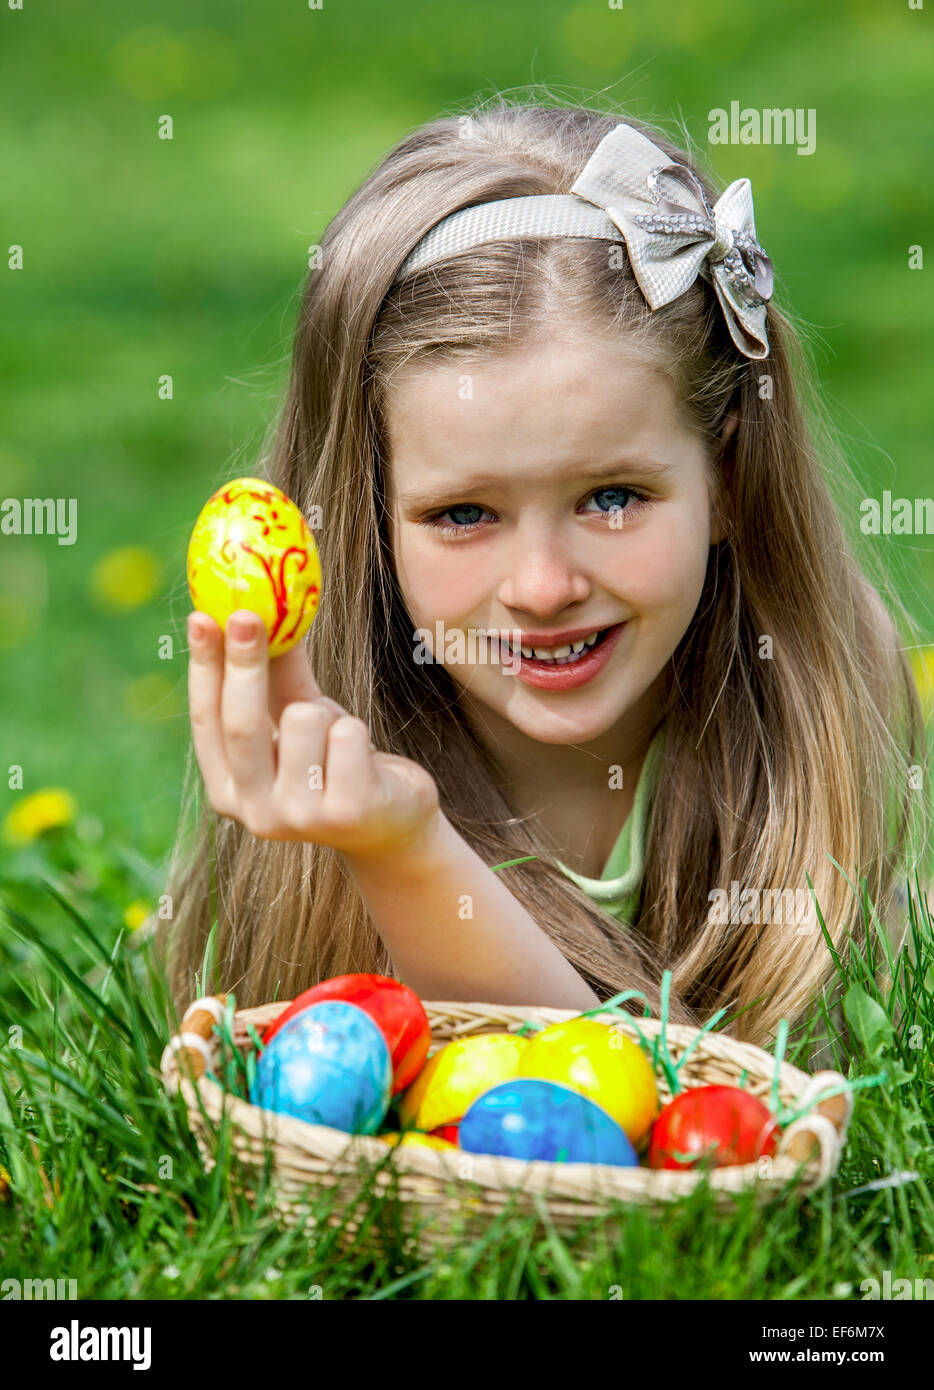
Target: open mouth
<point>568,654</point>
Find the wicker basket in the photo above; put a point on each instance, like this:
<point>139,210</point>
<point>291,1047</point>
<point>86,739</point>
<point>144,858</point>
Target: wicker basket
<point>456,1194</point>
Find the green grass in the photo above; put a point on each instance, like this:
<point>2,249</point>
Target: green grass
<point>107,1186</point>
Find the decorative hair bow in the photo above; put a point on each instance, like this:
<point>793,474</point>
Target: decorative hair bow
<point>630,188</point>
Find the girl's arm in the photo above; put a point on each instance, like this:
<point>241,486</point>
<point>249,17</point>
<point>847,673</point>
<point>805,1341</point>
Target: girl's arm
<point>290,764</point>
<point>455,931</point>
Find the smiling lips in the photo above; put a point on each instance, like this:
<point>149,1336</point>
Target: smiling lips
<point>571,664</point>
<point>567,651</point>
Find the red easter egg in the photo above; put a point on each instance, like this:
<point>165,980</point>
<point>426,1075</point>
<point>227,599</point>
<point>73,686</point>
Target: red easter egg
<point>396,1009</point>
<point>716,1125</point>
<point>448,1132</point>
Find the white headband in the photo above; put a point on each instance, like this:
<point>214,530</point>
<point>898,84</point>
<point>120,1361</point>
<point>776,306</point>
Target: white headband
<point>628,188</point>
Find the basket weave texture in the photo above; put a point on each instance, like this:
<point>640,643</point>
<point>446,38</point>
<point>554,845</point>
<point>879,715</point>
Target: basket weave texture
<point>453,1195</point>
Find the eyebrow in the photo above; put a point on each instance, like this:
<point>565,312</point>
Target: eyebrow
<point>649,470</point>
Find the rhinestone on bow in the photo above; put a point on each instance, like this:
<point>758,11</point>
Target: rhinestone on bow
<point>756,272</point>
<point>746,264</point>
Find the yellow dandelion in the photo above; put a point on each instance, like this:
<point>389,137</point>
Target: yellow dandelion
<point>922,664</point>
<point>136,914</point>
<point>42,810</point>
<point>125,578</point>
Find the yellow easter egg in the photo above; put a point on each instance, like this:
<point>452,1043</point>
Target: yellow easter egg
<point>456,1075</point>
<point>603,1064</point>
<point>415,1140</point>
<point>252,548</point>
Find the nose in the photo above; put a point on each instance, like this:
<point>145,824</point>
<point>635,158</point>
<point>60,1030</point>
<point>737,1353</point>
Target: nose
<point>544,574</point>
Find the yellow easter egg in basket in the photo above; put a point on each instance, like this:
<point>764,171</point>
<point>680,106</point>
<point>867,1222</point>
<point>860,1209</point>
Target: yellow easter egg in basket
<point>452,1079</point>
<point>601,1063</point>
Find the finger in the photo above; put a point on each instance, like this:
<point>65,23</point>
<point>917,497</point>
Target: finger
<point>290,679</point>
<point>349,764</point>
<point>205,678</point>
<point>303,733</point>
<point>245,721</point>
<point>336,709</point>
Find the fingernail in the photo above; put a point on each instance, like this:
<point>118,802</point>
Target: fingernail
<point>195,634</point>
<point>241,629</point>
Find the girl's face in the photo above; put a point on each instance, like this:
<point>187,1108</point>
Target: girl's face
<point>547,494</point>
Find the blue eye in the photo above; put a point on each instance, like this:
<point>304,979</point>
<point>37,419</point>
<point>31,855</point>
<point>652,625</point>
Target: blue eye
<point>462,520</point>
<point>460,526</point>
<point>617,496</point>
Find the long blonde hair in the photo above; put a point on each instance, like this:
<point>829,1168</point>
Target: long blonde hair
<point>770,765</point>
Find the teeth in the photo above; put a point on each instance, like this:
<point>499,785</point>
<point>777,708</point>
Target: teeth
<point>563,653</point>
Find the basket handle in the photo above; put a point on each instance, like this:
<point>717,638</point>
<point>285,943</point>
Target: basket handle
<point>837,1109</point>
<point>191,1047</point>
<point>811,1139</point>
<point>818,1137</point>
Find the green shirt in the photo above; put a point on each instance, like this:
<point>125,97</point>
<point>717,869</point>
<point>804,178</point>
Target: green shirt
<point>618,887</point>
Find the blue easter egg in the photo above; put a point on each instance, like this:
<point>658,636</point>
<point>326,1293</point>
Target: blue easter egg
<point>329,1065</point>
<point>529,1118</point>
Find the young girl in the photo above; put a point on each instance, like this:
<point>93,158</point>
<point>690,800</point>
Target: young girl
<point>558,447</point>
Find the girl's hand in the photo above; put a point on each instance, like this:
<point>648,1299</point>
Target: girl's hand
<point>316,776</point>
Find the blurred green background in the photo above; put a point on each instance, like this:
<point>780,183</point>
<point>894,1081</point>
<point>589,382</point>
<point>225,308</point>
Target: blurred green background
<point>145,256</point>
